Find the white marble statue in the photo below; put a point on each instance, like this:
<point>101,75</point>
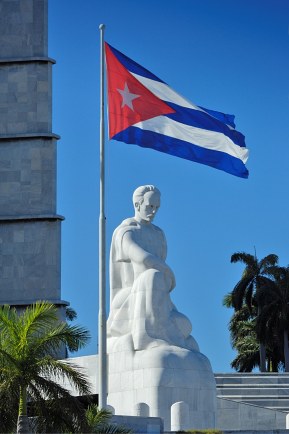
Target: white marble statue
<point>142,312</point>
<point>149,341</point>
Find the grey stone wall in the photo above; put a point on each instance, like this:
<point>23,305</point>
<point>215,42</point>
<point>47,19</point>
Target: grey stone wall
<point>140,425</point>
<point>25,97</point>
<point>250,431</point>
<point>30,229</point>
<point>27,177</point>
<point>29,261</point>
<point>232,415</point>
<point>23,28</point>
<point>266,389</point>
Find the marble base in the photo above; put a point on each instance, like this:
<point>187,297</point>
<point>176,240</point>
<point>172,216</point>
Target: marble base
<point>173,383</point>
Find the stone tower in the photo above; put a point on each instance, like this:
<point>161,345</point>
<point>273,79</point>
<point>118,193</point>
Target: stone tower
<point>30,229</point>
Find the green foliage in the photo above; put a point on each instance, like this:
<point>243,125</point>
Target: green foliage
<point>70,314</point>
<point>30,372</point>
<point>261,314</point>
<point>245,342</point>
<point>254,276</point>
<point>98,421</point>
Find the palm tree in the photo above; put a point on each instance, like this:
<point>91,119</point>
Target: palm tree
<point>255,276</point>
<point>98,421</point>
<point>29,369</point>
<point>245,340</point>
<point>274,312</point>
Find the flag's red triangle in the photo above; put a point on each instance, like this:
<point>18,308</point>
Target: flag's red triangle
<point>129,101</point>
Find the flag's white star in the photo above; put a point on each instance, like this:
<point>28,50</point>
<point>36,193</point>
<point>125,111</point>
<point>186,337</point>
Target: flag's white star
<point>127,97</point>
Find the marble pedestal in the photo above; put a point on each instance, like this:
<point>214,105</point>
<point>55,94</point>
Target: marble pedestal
<point>173,383</point>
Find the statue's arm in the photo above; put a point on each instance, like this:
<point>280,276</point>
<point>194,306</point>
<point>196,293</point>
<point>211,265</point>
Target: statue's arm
<point>142,260</point>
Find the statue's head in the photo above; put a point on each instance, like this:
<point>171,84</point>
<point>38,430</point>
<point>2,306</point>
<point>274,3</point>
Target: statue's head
<point>146,200</point>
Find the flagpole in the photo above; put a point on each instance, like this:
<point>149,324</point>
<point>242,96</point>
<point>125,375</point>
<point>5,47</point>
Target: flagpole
<point>102,357</point>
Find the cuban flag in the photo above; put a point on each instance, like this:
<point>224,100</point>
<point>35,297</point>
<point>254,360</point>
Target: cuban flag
<point>145,111</point>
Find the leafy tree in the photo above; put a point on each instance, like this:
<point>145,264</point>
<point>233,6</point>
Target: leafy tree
<point>30,372</point>
<point>254,277</point>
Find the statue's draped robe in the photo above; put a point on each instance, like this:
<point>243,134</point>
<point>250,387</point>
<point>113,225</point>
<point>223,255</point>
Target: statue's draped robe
<point>142,314</point>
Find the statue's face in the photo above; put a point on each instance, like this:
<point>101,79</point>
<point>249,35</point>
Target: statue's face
<point>148,208</point>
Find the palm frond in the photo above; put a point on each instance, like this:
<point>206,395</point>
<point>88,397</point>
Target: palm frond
<point>98,421</point>
<point>95,416</point>
<point>70,314</point>
<point>9,324</point>
<point>37,318</point>
<point>64,370</point>
<point>246,258</point>
<point>269,260</point>
<point>227,300</point>
<point>74,337</point>
<point>239,292</point>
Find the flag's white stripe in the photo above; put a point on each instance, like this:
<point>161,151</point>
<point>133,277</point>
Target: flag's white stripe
<point>197,136</point>
<point>166,93</point>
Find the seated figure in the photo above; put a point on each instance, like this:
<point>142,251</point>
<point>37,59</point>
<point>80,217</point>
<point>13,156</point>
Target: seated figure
<point>155,366</point>
<point>142,314</point>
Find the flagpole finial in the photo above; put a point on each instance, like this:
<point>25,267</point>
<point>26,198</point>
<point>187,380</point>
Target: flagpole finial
<point>101,26</point>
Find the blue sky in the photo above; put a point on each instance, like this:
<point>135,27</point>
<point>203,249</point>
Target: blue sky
<point>230,56</point>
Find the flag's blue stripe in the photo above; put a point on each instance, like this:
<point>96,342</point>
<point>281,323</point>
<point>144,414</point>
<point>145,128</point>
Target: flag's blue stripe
<point>199,119</point>
<point>227,119</point>
<point>132,66</point>
<point>182,149</point>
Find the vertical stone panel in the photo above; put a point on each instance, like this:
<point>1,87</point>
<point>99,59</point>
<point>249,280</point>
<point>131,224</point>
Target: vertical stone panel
<point>25,97</point>
<point>29,261</point>
<point>27,177</point>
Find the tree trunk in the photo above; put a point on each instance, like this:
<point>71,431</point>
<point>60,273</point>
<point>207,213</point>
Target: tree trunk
<point>262,352</point>
<point>286,350</point>
<point>23,425</point>
<point>23,421</point>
